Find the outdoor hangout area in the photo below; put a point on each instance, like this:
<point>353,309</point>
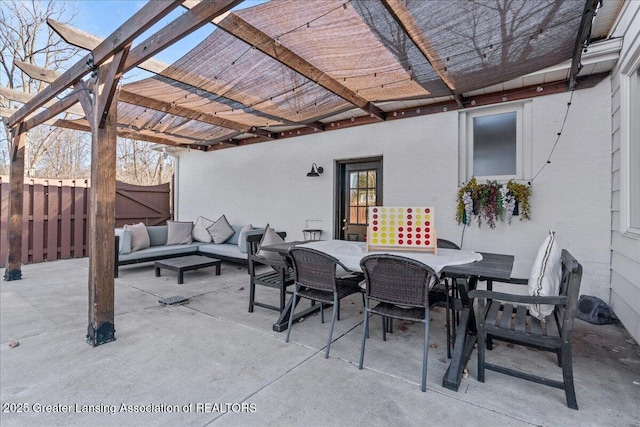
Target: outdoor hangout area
<point>210,351</point>
<point>379,212</point>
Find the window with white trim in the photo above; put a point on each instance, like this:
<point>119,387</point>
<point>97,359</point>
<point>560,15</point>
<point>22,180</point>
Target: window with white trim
<point>495,142</point>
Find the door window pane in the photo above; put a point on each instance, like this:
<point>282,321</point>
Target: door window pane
<point>495,144</point>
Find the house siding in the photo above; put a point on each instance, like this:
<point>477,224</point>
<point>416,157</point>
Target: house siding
<point>625,249</point>
<point>267,183</point>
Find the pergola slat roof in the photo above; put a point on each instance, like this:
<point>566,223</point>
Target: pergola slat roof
<point>291,67</point>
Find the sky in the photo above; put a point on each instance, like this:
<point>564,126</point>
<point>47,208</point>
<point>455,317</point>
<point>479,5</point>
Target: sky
<point>103,17</point>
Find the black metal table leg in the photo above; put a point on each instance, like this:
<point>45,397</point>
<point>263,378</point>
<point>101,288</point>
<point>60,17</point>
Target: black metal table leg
<point>283,320</point>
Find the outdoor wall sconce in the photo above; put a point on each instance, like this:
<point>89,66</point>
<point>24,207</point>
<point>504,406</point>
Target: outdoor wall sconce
<point>315,170</point>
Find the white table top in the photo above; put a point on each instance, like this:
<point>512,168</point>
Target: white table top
<point>350,254</point>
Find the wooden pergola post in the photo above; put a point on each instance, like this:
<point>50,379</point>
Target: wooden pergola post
<point>101,328</point>
<point>16,201</point>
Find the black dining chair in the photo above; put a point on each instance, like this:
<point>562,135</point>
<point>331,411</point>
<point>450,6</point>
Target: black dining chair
<point>315,279</point>
<point>400,287</point>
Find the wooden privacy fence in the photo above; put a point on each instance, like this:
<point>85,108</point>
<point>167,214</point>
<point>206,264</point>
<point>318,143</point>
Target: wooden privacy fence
<point>55,222</point>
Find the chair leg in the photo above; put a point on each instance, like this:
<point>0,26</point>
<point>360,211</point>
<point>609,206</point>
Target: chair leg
<point>365,334</point>
<point>334,315</point>
<point>321,312</point>
<point>252,295</point>
<point>384,328</point>
<point>481,348</point>
<point>448,317</point>
<point>426,349</point>
<point>567,376</point>
<point>338,309</point>
<point>293,308</point>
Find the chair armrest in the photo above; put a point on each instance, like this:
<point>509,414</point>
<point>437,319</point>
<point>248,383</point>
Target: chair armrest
<point>523,299</point>
<point>513,280</point>
<point>270,262</point>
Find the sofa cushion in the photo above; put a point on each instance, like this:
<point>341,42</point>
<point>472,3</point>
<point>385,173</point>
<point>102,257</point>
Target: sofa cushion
<point>233,240</point>
<point>224,250</point>
<point>221,230</point>
<point>546,275</point>
<point>242,237</point>
<point>179,233</point>
<point>124,242</point>
<point>139,236</point>
<point>200,232</point>
<point>158,235</point>
<point>155,252</point>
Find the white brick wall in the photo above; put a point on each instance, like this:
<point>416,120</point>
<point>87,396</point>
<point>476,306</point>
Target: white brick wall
<point>267,182</point>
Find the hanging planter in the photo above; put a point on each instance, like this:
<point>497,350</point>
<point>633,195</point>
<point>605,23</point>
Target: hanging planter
<point>492,202</point>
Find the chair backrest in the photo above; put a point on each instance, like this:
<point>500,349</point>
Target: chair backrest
<point>397,280</point>
<point>447,244</point>
<point>314,269</point>
<point>569,287</point>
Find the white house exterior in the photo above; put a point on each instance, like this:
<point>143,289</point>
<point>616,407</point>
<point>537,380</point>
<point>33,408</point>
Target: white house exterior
<point>267,182</point>
<point>625,167</point>
<point>586,192</point>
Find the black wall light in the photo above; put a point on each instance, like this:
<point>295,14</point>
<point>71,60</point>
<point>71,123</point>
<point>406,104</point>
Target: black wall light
<point>315,170</point>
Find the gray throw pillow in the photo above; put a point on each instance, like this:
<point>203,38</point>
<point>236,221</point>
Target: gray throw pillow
<point>270,237</point>
<point>221,230</point>
<point>200,232</point>
<point>139,236</point>
<point>179,233</point>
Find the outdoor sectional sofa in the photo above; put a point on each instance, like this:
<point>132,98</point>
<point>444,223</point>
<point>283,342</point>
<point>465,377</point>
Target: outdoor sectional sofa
<point>231,250</point>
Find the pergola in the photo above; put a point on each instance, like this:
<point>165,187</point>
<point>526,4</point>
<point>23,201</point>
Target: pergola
<point>283,69</point>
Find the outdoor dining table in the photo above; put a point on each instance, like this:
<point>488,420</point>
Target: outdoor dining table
<point>453,263</point>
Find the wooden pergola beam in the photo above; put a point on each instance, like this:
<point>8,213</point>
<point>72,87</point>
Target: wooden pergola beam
<point>80,90</point>
<point>398,10</point>
<point>88,41</point>
<point>249,34</point>
<point>584,31</point>
<point>23,98</point>
<point>146,17</point>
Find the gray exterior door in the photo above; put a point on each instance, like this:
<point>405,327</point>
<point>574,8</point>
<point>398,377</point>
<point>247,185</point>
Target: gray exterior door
<point>359,187</point>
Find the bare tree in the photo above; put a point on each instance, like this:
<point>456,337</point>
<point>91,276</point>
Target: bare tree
<point>138,163</point>
<point>25,36</point>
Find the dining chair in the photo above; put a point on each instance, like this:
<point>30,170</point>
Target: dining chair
<point>506,317</point>
<point>400,287</point>
<point>442,294</point>
<point>316,279</point>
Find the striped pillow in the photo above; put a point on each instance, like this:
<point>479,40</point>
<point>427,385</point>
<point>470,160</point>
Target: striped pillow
<point>546,275</point>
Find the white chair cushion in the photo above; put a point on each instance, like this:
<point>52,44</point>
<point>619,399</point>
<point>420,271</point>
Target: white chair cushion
<point>546,275</point>
<point>270,237</point>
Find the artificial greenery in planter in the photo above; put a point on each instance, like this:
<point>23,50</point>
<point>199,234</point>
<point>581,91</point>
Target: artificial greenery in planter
<point>492,201</point>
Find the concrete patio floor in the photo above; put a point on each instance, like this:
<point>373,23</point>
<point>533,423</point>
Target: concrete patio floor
<point>211,362</point>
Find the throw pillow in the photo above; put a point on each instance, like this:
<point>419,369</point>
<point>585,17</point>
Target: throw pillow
<point>200,232</point>
<point>270,237</point>
<point>139,236</point>
<point>220,230</point>
<point>179,233</point>
<point>546,275</point>
<point>242,238</point>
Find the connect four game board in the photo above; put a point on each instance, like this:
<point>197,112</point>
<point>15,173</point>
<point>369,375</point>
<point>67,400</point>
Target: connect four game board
<point>401,228</point>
